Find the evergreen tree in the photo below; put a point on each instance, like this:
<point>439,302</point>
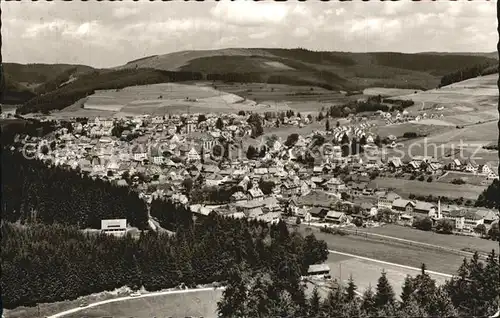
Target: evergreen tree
<point>362,141</point>
<point>314,303</point>
<point>251,152</point>
<point>411,309</point>
<point>424,288</point>
<point>219,124</point>
<point>327,125</point>
<point>384,295</point>
<point>351,290</point>
<point>408,290</point>
<point>440,304</point>
<point>368,304</point>
<point>201,118</point>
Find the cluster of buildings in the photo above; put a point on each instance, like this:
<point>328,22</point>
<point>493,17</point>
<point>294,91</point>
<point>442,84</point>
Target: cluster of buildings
<point>433,166</point>
<point>165,152</point>
<point>463,219</point>
<point>397,117</point>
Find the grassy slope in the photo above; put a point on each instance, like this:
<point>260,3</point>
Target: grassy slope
<point>86,85</point>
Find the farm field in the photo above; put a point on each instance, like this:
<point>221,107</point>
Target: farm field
<point>299,98</point>
<point>445,142</point>
<point>366,273</point>
<point>407,187</point>
<point>389,251</point>
<point>399,129</point>
<point>469,178</point>
<point>196,304</point>
<point>388,92</point>
<point>160,99</point>
<point>481,133</point>
<point>468,102</point>
<point>474,92</point>
<point>453,241</point>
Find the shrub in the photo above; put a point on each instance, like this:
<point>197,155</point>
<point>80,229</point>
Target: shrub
<point>424,224</point>
<point>444,226</point>
<point>458,181</point>
<point>480,229</point>
<point>334,231</point>
<point>358,222</point>
<point>410,134</point>
<point>429,179</point>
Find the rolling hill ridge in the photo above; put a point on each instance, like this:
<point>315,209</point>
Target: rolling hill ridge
<point>42,87</point>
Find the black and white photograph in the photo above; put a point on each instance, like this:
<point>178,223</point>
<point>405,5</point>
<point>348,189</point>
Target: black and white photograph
<point>250,159</point>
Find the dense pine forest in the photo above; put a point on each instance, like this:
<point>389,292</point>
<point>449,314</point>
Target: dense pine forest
<point>35,193</point>
<point>47,263</point>
<point>473,292</point>
<point>469,72</point>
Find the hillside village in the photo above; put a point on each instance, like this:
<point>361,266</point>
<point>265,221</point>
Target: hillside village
<point>203,161</point>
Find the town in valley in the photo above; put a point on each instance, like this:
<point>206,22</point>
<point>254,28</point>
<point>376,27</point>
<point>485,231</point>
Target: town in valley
<point>230,176</point>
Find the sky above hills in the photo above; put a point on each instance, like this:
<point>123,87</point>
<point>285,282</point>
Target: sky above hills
<point>105,34</point>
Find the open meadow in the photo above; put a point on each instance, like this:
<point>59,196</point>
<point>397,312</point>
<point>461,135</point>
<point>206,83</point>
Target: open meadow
<point>407,187</point>
<point>398,130</point>
<point>389,251</point>
<point>389,92</point>
<point>468,102</point>
<point>469,178</point>
<point>161,99</point>
<point>458,242</point>
<point>366,273</point>
<point>298,98</point>
<point>195,304</point>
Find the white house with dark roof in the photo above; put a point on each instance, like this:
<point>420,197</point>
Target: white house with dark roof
<point>471,166</point>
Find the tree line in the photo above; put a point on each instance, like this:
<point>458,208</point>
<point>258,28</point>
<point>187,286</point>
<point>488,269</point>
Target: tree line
<point>473,292</point>
<point>469,72</point>
<point>490,197</point>
<point>372,104</point>
<point>48,263</point>
<point>33,192</point>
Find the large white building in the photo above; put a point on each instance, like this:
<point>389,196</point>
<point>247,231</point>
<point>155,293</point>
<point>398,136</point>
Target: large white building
<point>117,227</point>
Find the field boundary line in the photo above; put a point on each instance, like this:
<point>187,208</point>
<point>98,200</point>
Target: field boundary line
<point>389,263</point>
<point>416,243</point>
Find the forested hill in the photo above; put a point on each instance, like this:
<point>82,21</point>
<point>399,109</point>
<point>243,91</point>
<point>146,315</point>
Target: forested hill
<point>51,263</point>
<point>24,81</point>
<point>336,69</point>
<point>469,72</point>
<point>33,193</point>
<point>45,87</point>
